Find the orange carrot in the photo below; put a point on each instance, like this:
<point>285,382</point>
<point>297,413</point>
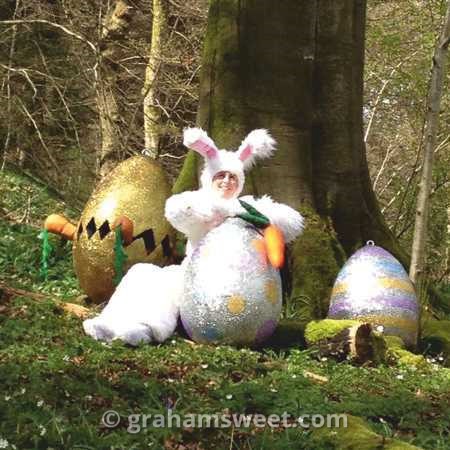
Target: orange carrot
<point>274,239</point>
<point>127,229</point>
<point>60,225</point>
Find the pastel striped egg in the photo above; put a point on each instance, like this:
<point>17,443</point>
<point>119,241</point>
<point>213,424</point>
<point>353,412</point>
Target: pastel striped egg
<point>374,287</point>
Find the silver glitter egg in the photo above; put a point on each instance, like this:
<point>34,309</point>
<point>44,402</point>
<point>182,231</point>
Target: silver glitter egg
<point>232,293</point>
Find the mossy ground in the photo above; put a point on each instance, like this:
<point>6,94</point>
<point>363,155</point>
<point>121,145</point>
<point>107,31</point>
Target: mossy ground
<point>57,383</point>
<point>325,329</point>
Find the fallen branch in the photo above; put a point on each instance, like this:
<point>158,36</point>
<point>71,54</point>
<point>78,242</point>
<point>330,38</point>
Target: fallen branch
<point>71,308</point>
<point>342,339</point>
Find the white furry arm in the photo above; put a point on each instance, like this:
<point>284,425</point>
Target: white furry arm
<point>286,218</point>
<point>188,212</point>
<point>194,213</point>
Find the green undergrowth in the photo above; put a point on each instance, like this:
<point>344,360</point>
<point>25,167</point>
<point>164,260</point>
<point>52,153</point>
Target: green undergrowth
<point>57,383</point>
<point>24,205</point>
<point>20,261</point>
<point>27,200</point>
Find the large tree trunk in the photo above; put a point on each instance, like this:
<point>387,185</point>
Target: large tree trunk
<point>296,68</point>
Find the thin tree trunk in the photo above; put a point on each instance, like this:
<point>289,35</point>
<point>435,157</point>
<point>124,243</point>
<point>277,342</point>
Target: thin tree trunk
<point>431,130</point>
<point>8,94</point>
<point>115,27</point>
<point>152,113</point>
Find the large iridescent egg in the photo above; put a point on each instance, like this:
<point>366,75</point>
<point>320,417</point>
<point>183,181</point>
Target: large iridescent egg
<point>232,293</point>
<point>374,287</point>
<point>138,189</point>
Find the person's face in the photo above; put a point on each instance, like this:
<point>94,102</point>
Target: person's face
<point>225,184</point>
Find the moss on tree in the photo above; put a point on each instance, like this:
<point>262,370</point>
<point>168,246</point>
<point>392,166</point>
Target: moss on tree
<point>187,179</point>
<point>316,258</point>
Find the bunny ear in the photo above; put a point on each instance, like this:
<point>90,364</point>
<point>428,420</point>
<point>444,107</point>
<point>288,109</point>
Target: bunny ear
<point>258,144</point>
<point>197,139</point>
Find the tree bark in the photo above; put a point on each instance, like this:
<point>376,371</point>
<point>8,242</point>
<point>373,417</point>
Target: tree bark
<point>152,113</point>
<point>431,130</point>
<point>115,27</point>
<point>296,68</point>
<point>354,341</point>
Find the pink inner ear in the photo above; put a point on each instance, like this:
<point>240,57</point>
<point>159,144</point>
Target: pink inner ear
<point>211,153</point>
<point>245,154</point>
<point>204,149</point>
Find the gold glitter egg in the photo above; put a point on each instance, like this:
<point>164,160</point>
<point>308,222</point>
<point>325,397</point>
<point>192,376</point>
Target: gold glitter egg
<point>138,189</point>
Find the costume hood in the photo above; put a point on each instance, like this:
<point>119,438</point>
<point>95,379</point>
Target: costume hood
<point>257,145</point>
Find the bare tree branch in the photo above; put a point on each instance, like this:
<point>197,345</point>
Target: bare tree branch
<point>52,24</point>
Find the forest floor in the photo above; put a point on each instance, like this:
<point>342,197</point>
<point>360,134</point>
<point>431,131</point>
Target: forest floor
<point>58,384</point>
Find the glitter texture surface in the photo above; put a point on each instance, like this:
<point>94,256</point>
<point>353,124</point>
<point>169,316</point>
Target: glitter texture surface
<point>374,287</point>
<point>232,295</point>
<point>138,189</point>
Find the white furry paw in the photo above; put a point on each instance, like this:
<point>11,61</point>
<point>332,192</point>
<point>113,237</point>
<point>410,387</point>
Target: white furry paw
<point>136,334</point>
<point>98,330</point>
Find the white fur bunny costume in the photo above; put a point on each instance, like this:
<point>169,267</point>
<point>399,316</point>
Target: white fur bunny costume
<point>145,305</point>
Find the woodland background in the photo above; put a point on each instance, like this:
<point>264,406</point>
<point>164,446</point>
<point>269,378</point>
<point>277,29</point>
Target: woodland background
<point>65,64</point>
<point>87,84</point>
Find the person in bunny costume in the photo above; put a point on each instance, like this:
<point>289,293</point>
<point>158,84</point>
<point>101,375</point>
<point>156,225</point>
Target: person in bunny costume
<point>145,305</point>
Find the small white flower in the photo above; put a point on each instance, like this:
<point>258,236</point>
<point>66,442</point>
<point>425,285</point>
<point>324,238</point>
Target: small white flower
<point>173,341</point>
<point>3,443</point>
<point>399,377</point>
<point>440,358</point>
<point>382,420</point>
<point>228,396</point>
<point>40,403</point>
<point>380,328</point>
<point>170,380</point>
<point>42,430</point>
<point>273,390</point>
<point>204,366</point>
<point>23,390</point>
<point>324,358</point>
<point>89,397</point>
<point>7,398</point>
<point>294,376</point>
